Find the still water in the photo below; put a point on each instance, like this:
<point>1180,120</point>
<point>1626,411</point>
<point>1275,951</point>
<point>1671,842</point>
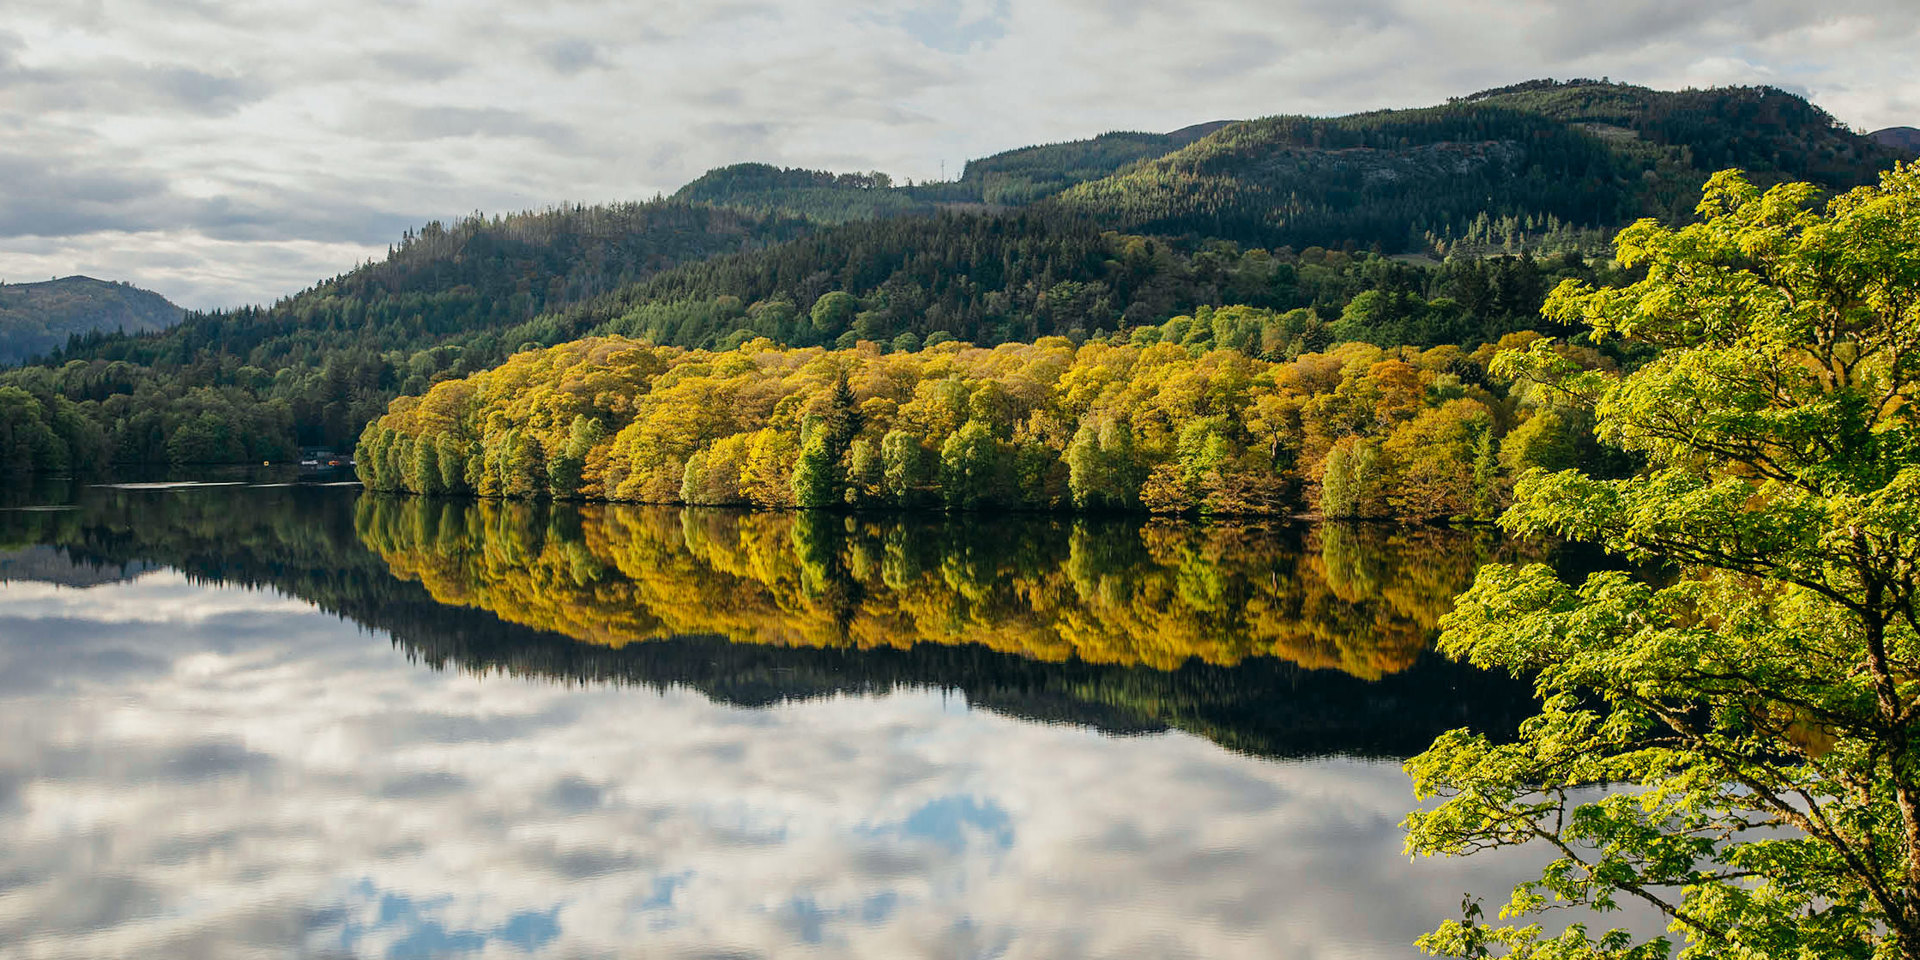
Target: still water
<point>291,721</point>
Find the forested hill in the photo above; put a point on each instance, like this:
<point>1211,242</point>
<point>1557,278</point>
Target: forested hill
<point>36,318</point>
<point>1010,178</point>
<point>1022,176</point>
<point>1540,164</point>
<point>256,383</point>
<point>994,279</point>
<point>1543,163</point>
<point>818,195</point>
<point>471,277</point>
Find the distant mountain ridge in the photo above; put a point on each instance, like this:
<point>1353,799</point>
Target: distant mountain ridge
<point>1533,159</point>
<point>37,318</point>
<point>1900,138</point>
<point>1009,178</point>
<point>1541,164</point>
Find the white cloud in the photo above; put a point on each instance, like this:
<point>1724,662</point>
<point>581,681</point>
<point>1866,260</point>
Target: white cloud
<point>306,132</point>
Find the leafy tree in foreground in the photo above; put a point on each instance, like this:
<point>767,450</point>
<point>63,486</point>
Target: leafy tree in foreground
<point>1736,744</point>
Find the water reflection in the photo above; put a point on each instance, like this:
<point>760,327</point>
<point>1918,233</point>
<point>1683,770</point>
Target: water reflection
<point>213,758</point>
<point>1360,600</point>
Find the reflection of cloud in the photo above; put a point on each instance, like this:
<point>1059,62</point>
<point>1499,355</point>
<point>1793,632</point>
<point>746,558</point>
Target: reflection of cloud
<point>951,822</point>
<point>166,597</point>
<point>276,781</point>
<point>395,925</point>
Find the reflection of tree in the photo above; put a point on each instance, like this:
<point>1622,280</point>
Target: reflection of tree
<point>303,542</point>
<point>1361,600</point>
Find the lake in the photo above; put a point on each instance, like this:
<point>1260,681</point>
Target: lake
<point>282,720</point>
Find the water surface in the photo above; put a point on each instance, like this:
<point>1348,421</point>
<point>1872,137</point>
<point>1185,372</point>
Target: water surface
<point>248,721</point>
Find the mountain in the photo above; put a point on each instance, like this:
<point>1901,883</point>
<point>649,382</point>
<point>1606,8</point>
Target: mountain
<point>1539,161</point>
<point>1542,164</point>
<point>1022,176</point>
<point>1011,178</point>
<point>36,318</point>
<point>1899,138</point>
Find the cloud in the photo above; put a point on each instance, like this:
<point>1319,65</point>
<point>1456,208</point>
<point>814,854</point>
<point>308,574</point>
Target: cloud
<point>396,122</point>
<point>571,55</point>
<point>254,149</point>
<point>947,26</point>
<point>115,86</point>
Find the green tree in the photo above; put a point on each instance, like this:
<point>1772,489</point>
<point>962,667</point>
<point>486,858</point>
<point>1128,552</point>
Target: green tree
<point>1353,482</point>
<point>814,483</point>
<point>568,465</point>
<point>1087,475</point>
<point>453,464</point>
<point>866,471</point>
<point>426,467</point>
<point>904,467</point>
<point>27,443</point>
<point>833,312</point>
<point>520,466</point>
<point>206,438</point>
<point>1736,741</point>
<point>972,467</point>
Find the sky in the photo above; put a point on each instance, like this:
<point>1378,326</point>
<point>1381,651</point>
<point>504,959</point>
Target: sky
<point>225,153</point>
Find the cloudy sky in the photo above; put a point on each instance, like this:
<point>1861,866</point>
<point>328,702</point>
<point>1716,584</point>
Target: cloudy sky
<point>233,151</point>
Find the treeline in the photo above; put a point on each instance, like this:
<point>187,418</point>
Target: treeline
<point>1377,180</point>
<point>991,280</point>
<point>816,195</point>
<point>257,385</point>
<point>1772,134</point>
<point>1103,592</point>
<point>45,436</point>
<point>1028,174</point>
<point>1175,419</point>
<point>1573,161</point>
<point>1012,178</point>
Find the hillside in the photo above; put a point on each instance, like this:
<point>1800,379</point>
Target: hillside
<point>1016,177</point>
<point>994,279</point>
<point>36,318</point>
<point>256,383</point>
<point>1899,138</point>
<point>815,194</point>
<point>1543,163</point>
<point>1007,179</point>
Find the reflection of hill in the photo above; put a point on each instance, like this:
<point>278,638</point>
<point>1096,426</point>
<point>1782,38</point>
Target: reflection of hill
<point>1264,707</point>
<point>302,542</point>
<point>1110,592</point>
<point>44,564</point>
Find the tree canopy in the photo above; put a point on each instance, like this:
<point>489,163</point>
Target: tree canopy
<point>1177,418</point>
<point>1731,737</point>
